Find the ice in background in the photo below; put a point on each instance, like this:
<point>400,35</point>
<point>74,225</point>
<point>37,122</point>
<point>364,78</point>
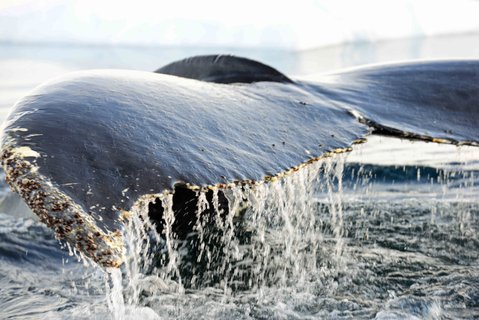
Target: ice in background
<point>297,25</point>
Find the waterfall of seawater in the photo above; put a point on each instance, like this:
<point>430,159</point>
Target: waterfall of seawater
<point>273,235</point>
<point>334,238</point>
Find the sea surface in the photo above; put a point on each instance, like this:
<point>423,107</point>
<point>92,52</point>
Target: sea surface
<point>389,231</point>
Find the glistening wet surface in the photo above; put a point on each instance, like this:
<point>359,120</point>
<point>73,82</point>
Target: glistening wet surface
<point>389,231</point>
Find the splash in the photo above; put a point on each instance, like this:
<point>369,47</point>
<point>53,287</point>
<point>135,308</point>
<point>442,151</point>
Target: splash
<point>325,237</point>
<point>280,234</point>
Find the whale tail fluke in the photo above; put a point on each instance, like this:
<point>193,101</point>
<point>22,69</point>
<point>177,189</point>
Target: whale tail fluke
<point>86,150</point>
<point>435,101</point>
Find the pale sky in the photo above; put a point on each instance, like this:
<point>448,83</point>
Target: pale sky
<point>248,23</point>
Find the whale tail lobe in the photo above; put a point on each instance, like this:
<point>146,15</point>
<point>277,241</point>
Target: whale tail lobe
<point>435,101</point>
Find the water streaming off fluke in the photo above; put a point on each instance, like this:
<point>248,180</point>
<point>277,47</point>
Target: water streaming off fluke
<point>320,236</point>
<point>272,234</point>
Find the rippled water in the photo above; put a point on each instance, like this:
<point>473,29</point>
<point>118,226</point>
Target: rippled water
<point>389,231</point>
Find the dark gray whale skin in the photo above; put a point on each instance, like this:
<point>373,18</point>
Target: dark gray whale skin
<point>435,100</point>
<point>105,138</point>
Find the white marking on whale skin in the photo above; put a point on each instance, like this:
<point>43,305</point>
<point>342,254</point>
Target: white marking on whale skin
<point>69,184</point>
<point>356,114</point>
<point>32,135</point>
<point>25,152</point>
<point>19,129</point>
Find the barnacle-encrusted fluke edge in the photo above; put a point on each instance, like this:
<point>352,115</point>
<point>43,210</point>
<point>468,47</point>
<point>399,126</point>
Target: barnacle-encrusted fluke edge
<point>71,223</point>
<point>58,211</point>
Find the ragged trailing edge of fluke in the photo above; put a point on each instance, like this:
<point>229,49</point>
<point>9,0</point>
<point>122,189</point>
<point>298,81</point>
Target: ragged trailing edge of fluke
<point>71,223</point>
<point>389,131</point>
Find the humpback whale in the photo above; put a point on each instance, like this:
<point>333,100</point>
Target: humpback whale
<point>84,149</point>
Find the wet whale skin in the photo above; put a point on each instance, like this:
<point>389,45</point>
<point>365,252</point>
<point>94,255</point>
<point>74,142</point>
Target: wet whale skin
<point>104,138</point>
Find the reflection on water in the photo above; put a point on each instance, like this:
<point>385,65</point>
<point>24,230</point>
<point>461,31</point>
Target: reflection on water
<point>388,232</point>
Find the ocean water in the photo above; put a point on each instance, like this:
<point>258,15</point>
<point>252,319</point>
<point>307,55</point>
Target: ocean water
<point>389,231</point>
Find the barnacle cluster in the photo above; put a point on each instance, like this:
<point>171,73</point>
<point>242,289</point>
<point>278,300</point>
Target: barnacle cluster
<point>57,210</point>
